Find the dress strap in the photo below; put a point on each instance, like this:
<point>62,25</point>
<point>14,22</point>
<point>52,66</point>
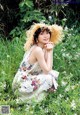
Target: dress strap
<point>29,52</point>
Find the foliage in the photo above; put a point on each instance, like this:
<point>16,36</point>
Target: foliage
<point>50,12</point>
<point>21,14</point>
<point>8,15</point>
<point>65,101</point>
<point>52,9</point>
<point>28,15</point>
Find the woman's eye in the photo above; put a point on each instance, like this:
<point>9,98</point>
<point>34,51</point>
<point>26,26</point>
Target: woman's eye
<point>41,33</point>
<point>47,32</point>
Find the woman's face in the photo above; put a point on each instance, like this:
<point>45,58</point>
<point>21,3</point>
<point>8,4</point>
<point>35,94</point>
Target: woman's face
<point>44,37</point>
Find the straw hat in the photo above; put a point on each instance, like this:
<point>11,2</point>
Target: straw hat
<point>56,33</point>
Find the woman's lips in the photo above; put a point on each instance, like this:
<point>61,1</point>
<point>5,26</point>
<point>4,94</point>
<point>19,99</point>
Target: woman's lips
<point>45,39</point>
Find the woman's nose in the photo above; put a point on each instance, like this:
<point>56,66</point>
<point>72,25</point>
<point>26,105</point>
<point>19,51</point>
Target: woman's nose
<point>45,35</point>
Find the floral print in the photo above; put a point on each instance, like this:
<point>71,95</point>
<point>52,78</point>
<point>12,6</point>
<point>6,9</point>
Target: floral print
<point>24,66</point>
<point>30,78</point>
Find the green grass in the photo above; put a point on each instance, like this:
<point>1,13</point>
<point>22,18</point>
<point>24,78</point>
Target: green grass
<point>66,100</point>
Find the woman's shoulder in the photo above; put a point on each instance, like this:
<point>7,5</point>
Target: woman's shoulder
<point>37,48</point>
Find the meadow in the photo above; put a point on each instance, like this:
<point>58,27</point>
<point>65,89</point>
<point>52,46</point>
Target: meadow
<point>66,59</point>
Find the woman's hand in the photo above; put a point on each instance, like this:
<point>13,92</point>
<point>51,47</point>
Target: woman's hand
<point>49,46</point>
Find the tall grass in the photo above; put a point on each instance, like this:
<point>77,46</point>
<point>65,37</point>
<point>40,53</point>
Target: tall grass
<point>65,101</point>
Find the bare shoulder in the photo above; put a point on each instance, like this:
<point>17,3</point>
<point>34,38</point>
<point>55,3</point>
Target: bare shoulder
<point>38,49</point>
<point>38,52</point>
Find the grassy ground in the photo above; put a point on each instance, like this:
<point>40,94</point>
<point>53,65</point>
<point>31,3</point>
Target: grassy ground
<point>66,100</point>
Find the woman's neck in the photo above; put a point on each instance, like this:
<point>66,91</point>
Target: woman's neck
<point>40,45</point>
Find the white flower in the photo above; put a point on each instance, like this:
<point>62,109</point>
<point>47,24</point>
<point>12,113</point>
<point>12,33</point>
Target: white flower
<point>69,35</point>
<point>63,49</point>
<point>67,54</point>
<point>73,87</point>
<point>4,85</point>
<point>64,72</point>
<point>65,20</point>
<point>63,83</point>
<point>50,17</point>
<point>67,88</point>
<point>77,55</point>
<point>60,95</point>
<point>31,112</point>
<point>73,105</point>
<point>27,107</point>
<point>46,110</point>
<point>67,99</point>
<point>74,46</point>
<point>3,72</point>
<point>56,114</point>
<point>64,54</point>
<point>66,28</point>
<point>75,113</point>
<point>8,56</point>
<point>17,101</point>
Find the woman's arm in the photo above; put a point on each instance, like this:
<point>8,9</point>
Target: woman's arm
<point>45,64</point>
<point>48,48</point>
<point>49,58</point>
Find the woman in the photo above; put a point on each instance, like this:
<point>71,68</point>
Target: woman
<point>35,75</point>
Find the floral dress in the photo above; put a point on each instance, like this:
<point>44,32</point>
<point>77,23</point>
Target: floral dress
<point>30,81</point>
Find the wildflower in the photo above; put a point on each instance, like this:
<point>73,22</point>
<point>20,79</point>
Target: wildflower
<point>63,83</point>
<point>60,95</point>
<point>8,56</point>
<point>63,49</point>
<point>67,55</point>
<point>31,112</point>
<point>3,72</point>
<point>50,17</point>
<point>74,46</point>
<point>64,72</point>
<point>71,28</point>
<point>64,54</point>
<point>67,88</point>
<point>75,113</point>
<point>73,105</point>
<point>69,34</point>
<point>28,106</point>
<point>4,85</point>
<point>72,87</point>
<point>77,55</point>
<point>56,114</point>
<point>17,101</point>
<point>66,28</point>
<point>67,99</point>
<point>46,110</point>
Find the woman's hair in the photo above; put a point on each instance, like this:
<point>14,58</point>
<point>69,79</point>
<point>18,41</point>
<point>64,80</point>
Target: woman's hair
<point>38,31</point>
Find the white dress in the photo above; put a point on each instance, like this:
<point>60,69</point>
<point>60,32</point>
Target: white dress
<point>30,82</point>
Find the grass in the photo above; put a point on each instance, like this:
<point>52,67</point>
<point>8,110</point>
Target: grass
<point>65,101</point>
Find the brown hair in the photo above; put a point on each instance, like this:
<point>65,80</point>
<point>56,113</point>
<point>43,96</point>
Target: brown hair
<point>38,31</point>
